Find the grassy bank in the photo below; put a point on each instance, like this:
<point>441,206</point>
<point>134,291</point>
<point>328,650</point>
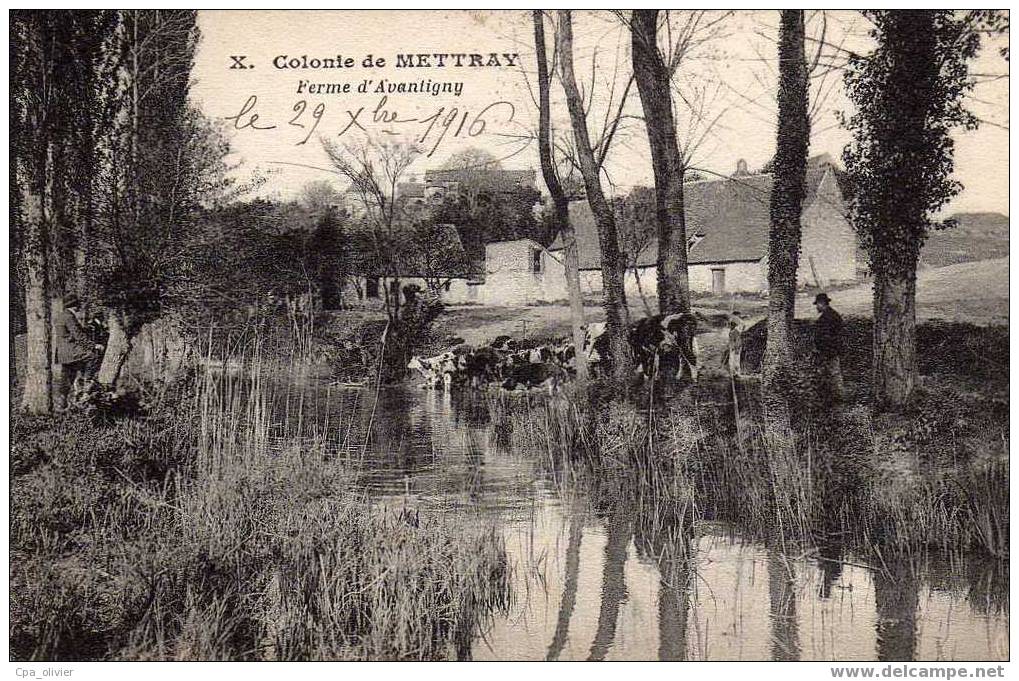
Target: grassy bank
<point>935,478</point>
<point>194,535</point>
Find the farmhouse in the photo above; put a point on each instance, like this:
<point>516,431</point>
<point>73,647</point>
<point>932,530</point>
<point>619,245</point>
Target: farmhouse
<point>438,265</point>
<point>517,272</point>
<point>727,223</point>
<point>440,183</point>
<point>521,272</point>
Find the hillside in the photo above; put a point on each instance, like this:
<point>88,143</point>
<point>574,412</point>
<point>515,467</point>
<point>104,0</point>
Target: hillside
<point>978,236</point>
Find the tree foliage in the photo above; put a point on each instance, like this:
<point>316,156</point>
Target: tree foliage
<point>908,96</point>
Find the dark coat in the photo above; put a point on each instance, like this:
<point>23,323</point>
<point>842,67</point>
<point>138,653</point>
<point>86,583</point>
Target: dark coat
<point>828,332</point>
<point>72,343</point>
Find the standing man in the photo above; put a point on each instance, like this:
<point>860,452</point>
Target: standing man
<point>828,331</point>
<point>73,349</point>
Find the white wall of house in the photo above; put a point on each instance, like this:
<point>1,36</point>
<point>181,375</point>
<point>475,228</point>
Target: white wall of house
<point>645,280</point>
<point>457,293</point>
<point>827,239</point>
<point>521,272</point>
<point>739,277</point>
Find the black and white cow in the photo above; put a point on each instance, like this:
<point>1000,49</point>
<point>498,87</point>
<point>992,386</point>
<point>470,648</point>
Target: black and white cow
<point>546,375</point>
<point>658,348</point>
<point>437,371</point>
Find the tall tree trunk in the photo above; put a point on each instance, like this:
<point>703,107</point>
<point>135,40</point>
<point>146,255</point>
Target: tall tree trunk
<point>617,315</point>
<point>58,375</point>
<point>894,337</point>
<point>38,395</point>
<point>913,86</point>
<point>909,100</point>
<point>654,86</point>
<point>787,193</point>
<point>560,203</point>
<point>118,347</point>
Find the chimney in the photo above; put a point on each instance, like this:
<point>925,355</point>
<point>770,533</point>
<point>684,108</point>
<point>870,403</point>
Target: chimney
<point>741,167</point>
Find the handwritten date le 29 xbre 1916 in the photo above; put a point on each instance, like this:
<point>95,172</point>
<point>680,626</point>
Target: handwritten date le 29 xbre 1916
<point>429,130</point>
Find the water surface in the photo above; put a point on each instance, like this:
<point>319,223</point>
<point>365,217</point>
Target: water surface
<point>590,583</point>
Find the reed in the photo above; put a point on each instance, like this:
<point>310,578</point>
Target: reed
<point>230,530</point>
<point>867,483</point>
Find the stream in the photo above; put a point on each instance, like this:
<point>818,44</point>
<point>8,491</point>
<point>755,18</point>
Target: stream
<point>588,584</point>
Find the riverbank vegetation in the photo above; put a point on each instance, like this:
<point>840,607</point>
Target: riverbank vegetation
<point>203,533</point>
<point>932,479</point>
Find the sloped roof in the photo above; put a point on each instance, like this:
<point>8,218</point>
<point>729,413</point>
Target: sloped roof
<point>410,190</point>
<point>493,180</point>
<point>731,215</point>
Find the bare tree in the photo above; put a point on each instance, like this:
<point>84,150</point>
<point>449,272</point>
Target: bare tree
<point>471,158</point>
<point>653,86</point>
<point>560,201</point>
<point>374,169</point>
<point>616,312</point>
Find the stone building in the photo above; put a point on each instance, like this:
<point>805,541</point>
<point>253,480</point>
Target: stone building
<point>521,272</point>
<point>727,224</point>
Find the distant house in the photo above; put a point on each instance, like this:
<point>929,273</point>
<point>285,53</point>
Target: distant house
<point>439,263</point>
<point>521,272</point>
<point>727,224</point>
<point>440,183</point>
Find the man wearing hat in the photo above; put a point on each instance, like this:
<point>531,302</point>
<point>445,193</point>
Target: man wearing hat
<point>828,330</point>
<point>73,350</point>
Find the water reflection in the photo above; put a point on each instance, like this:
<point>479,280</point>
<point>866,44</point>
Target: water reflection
<point>596,575</point>
<point>569,597</point>
<point>896,594</point>
<point>613,585</point>
<point>785,635</point>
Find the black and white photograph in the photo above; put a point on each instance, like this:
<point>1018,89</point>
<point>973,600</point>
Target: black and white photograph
<point>509,335</point>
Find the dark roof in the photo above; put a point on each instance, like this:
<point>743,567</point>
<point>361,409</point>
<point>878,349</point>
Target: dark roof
<point>730,214</point>
<point>410,190</point>
<point>498,180</point>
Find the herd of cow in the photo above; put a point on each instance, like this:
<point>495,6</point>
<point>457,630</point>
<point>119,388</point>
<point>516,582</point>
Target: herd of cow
<point>655,343</point>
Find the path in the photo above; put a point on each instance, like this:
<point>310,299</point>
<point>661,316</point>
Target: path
<point>975,292</point>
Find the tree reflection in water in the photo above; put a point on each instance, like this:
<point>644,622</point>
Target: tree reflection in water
<point>613,588</point>
<point>896,595</point>
<point>785,635</point>
<point>569,599</point>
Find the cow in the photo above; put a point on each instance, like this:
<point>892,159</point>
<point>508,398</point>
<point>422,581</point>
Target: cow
<point>438,370</point>
<point>534,375</point>
<point>484,365</point>
<point>503,343</point>
<point>658,348</point>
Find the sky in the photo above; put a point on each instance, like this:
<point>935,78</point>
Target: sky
<point>724,92</point>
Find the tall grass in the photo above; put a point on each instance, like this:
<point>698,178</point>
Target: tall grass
<point>911,484</point>
<point>227,530</point>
